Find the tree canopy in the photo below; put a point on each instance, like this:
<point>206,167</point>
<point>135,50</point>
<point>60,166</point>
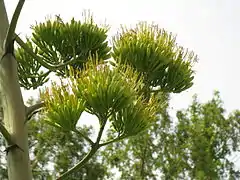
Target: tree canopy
<point>195,145</point>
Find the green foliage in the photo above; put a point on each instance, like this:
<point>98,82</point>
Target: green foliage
<point>64,108</point>
<point>108,94</point>
<point>61,42</point>
<point>62,150</point>
<point>30,71</point>
<point>105,91</point>
<point>196,146</point>
<point>137,157</point>
<point>154,52</point>
<point>234,118</point>
<point>204,137</point>
<point>148,62</point>
<point>131,94</point>
<point>53,151</point>
<point>55,43</point>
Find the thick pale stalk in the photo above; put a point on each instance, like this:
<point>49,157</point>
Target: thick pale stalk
<point>14,118</point>
<point>14,110</point>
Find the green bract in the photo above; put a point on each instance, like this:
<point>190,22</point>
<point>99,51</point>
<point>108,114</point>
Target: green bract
<point>30,72</point>
<point>59,46</point>
<point>148,64</point>
<point>154,53</point>
<point>61,42</point>
<point>110,94</point>
<point>63,107</point>
<point>114,94</point>
<point>134,118</point>
<point>104,90</point>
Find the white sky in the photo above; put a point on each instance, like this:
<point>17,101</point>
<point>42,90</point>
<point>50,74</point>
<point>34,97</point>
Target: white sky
<point>208,27</point>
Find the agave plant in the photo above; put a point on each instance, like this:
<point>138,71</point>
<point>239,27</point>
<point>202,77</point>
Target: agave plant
<point>148,64</point>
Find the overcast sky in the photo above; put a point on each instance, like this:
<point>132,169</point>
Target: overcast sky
<point>208,27</point>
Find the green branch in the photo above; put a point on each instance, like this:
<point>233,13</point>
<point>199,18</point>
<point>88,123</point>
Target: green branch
<point>6,134</point>
<point>38,76</point>
<point>80,164</point>
<point>112,141</point>
<point>12,27</point>
<point>31,109</point>
<point>31,53</point>
<point>101,132</point>
<point>3,130</point>
<point>93,150</point>
<point>39,59</point>
<point>85,137</point>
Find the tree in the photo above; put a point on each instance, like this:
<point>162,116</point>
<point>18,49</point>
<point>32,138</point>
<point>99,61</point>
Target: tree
<point>205,138</point>
<point>196,146</point>
<point>146,63</point>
